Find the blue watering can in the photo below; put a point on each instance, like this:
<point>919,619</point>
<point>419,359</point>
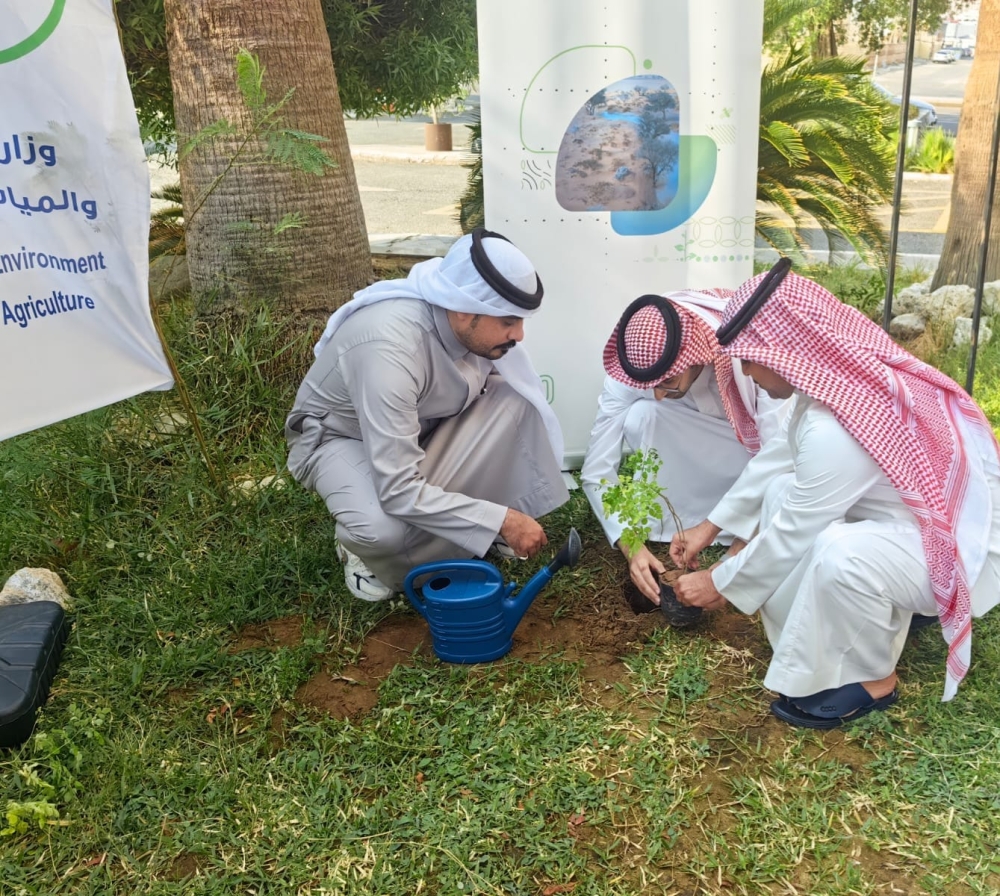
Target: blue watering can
<point>471,613</point>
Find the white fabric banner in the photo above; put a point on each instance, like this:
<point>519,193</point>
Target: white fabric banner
<point>620,153</point>
<point>75,326</point>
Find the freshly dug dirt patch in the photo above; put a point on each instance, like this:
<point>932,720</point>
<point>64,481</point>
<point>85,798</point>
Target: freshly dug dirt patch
<point>596,630</point>
<point>353,690</point>
<point>593,626</point>
<point>275,633</point>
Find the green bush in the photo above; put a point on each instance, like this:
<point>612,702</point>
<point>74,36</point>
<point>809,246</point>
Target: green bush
<point>935,154</point>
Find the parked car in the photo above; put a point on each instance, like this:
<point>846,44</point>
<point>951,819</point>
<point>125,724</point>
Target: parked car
<point>924,113</point>
<point>942,56</point>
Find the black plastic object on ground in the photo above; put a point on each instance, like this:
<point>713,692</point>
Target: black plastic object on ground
<point>32,636</point>
<point>637,601</point>
<point>676,614</point>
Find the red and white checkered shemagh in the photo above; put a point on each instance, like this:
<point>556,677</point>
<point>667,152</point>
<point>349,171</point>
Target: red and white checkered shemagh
<point>903,412</point>
<point>646,336</point>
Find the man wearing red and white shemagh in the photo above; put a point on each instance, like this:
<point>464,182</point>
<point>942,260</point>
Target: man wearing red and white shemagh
<point>664,347</point>
<point>881,502</point>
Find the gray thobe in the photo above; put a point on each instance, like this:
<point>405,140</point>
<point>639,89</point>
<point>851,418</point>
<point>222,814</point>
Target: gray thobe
<point>415,444</point>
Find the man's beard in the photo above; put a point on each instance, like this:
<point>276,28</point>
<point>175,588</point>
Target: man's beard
<point>506,347</point>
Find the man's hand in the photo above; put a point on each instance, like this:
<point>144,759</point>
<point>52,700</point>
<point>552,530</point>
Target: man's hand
<point>696,589</point>
<point>687,545</point>
<point>645,571</point>
<point>522,533</point>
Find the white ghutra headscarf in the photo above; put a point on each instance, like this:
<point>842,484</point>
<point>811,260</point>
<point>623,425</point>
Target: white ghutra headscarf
<point>454,283</point>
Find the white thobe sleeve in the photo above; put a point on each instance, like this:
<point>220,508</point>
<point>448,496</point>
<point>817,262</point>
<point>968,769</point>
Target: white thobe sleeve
<point>832,472</point>
<point>740,508</point>
<point>384,385</point>
<point>604,451</point>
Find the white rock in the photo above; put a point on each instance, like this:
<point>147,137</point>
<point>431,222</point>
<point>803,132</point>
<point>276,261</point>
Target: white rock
<point>945,303</point>
<point>27,585</point>
<point>249,485</point>
<point>991,298</point>
<point>948,302</point>
<point>907,326</point>
<point>963,331</point>
<point>907,300</point>
<point>169,424</point>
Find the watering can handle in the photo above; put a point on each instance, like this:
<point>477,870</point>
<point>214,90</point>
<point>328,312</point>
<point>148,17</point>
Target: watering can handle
<point>411,589</point>
<point>415,597</point>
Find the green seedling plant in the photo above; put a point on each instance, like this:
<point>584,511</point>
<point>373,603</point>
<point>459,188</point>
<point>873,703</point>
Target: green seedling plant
<point>265,139</point>
<point>636,498</point>
<point>24,816</point>
<point>51,777</point>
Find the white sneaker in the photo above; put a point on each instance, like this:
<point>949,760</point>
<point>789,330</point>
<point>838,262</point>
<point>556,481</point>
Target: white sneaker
<point>505,551</point>
<point>361,581</point>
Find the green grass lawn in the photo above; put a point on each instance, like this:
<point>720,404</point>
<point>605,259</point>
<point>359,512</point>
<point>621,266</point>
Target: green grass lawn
<point>176,755</point>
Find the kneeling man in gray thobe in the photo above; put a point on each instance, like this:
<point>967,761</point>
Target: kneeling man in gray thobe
<point>422,423</point>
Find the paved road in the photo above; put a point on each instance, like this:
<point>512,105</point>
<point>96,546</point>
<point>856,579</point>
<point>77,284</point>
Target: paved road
<point>936,83</point>
<point>941,85</point>
<point>948,120</point>
<point>405,189</point>
<point>402,197</point>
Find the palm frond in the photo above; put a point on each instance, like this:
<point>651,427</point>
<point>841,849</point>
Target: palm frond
<point>471,210</point>
<point>825,156</point>
<point>166,226</point>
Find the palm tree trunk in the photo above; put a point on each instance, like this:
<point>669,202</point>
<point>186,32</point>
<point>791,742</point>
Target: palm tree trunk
<point>233,250</point>
<point>826,41</point>
<point>960,255</point>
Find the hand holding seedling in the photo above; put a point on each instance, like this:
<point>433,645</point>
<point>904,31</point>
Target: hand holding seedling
<point>636,498</point>
<point>645,570</point>
<point>688,544</point>
<point>696,589</point>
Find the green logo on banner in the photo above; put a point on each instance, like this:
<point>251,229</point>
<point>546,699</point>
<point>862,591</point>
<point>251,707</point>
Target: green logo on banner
<point>34,41</point>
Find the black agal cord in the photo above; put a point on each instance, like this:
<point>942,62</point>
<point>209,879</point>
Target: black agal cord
<point>727,333</point>
<point>671,320</point>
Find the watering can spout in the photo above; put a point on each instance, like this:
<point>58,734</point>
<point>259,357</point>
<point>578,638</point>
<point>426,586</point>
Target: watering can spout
<point>515,606</point>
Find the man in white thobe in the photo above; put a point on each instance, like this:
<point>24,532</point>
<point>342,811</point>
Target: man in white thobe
<point>704,434</point>
<point>422,424</point>
<point>880,501</point>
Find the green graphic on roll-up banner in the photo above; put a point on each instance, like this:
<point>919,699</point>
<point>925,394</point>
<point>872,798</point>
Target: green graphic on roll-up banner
<point>549,383</point>
<point>35,40</point>
<point>604,48</point>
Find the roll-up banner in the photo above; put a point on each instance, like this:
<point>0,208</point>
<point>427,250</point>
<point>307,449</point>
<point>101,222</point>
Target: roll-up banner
<point>75,325</point>
<point>620,153</point>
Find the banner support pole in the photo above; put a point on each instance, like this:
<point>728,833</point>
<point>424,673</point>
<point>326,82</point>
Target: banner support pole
<point>897,192</point>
